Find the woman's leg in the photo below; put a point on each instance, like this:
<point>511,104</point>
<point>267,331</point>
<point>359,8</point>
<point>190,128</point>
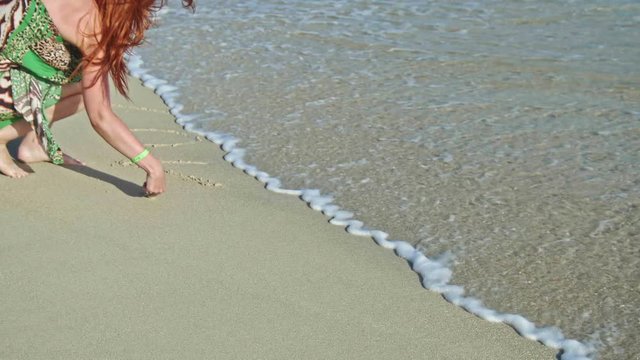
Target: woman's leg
<point>8,133</point>
<point>71,102</point>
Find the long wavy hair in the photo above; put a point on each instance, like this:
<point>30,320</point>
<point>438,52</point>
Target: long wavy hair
<point>122,27</point>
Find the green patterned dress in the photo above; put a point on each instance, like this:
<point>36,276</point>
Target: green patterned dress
<point>34,64</point>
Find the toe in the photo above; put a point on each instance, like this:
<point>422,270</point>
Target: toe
<point>68,160</point>
<point>15,172</point>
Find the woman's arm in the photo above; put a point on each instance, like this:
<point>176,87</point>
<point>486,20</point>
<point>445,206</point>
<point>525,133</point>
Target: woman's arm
<point>113,130</point>
<point>78,22</point>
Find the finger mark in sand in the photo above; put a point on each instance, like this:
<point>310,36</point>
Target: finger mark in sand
<point>197,179</point>
<point>192,178</point>
<point>126,163</point>
<point>167,131</point>
<point>185,162</point>
<point>172,144</point>
<point>141,108</point>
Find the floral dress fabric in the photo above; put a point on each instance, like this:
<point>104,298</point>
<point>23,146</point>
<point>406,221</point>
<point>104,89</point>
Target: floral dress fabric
<point>34,64</point>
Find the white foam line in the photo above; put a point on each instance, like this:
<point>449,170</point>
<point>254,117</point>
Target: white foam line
<point>435,275</point>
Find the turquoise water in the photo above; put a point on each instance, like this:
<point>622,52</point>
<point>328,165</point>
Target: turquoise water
<point>504,135</point>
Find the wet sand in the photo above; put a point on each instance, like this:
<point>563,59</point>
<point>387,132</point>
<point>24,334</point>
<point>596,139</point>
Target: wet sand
<point>218,267</point>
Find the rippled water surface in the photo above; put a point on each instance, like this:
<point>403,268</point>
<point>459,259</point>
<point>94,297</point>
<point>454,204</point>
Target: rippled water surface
<point>504,133</point>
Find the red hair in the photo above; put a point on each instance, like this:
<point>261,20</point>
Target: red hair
<point>122,24</point>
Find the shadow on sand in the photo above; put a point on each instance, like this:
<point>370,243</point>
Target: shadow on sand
<point>127,187</point>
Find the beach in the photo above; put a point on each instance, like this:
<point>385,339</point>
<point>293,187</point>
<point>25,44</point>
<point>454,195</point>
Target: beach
<point>218,267</point>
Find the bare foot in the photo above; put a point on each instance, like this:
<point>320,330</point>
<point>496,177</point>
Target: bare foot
<point>68,160</point>
<point>32,152</point>
<point>8,166</point>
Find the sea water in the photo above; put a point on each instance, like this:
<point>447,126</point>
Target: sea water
<point>501,135</point>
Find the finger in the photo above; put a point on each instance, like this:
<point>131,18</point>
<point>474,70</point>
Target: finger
<point>152,194</point>
<point>145,190</point>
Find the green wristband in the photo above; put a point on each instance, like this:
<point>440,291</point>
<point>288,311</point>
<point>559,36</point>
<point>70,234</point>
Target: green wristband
<point>136,159</point>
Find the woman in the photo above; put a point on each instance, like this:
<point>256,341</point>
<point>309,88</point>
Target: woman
<point>56,56</point>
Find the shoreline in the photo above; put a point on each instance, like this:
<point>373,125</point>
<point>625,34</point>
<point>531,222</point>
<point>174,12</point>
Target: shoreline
<point>434,274</point>
<point>217,265</point>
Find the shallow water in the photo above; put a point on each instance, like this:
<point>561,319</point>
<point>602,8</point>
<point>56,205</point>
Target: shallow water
<point>505,134</point>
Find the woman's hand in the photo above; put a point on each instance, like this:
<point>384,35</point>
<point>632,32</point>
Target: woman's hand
<point>155,184</point>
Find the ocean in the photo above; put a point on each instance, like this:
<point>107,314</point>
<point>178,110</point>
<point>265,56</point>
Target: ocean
<point>500,137</point>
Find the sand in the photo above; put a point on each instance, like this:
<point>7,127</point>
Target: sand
<point>216,268</point>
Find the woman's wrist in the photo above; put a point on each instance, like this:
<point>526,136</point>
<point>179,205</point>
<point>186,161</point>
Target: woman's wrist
<point>141,155</point>
<point>151,165</point>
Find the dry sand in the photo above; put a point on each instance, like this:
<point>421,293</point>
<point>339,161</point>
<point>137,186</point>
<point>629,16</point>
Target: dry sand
<point>217,268</point>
